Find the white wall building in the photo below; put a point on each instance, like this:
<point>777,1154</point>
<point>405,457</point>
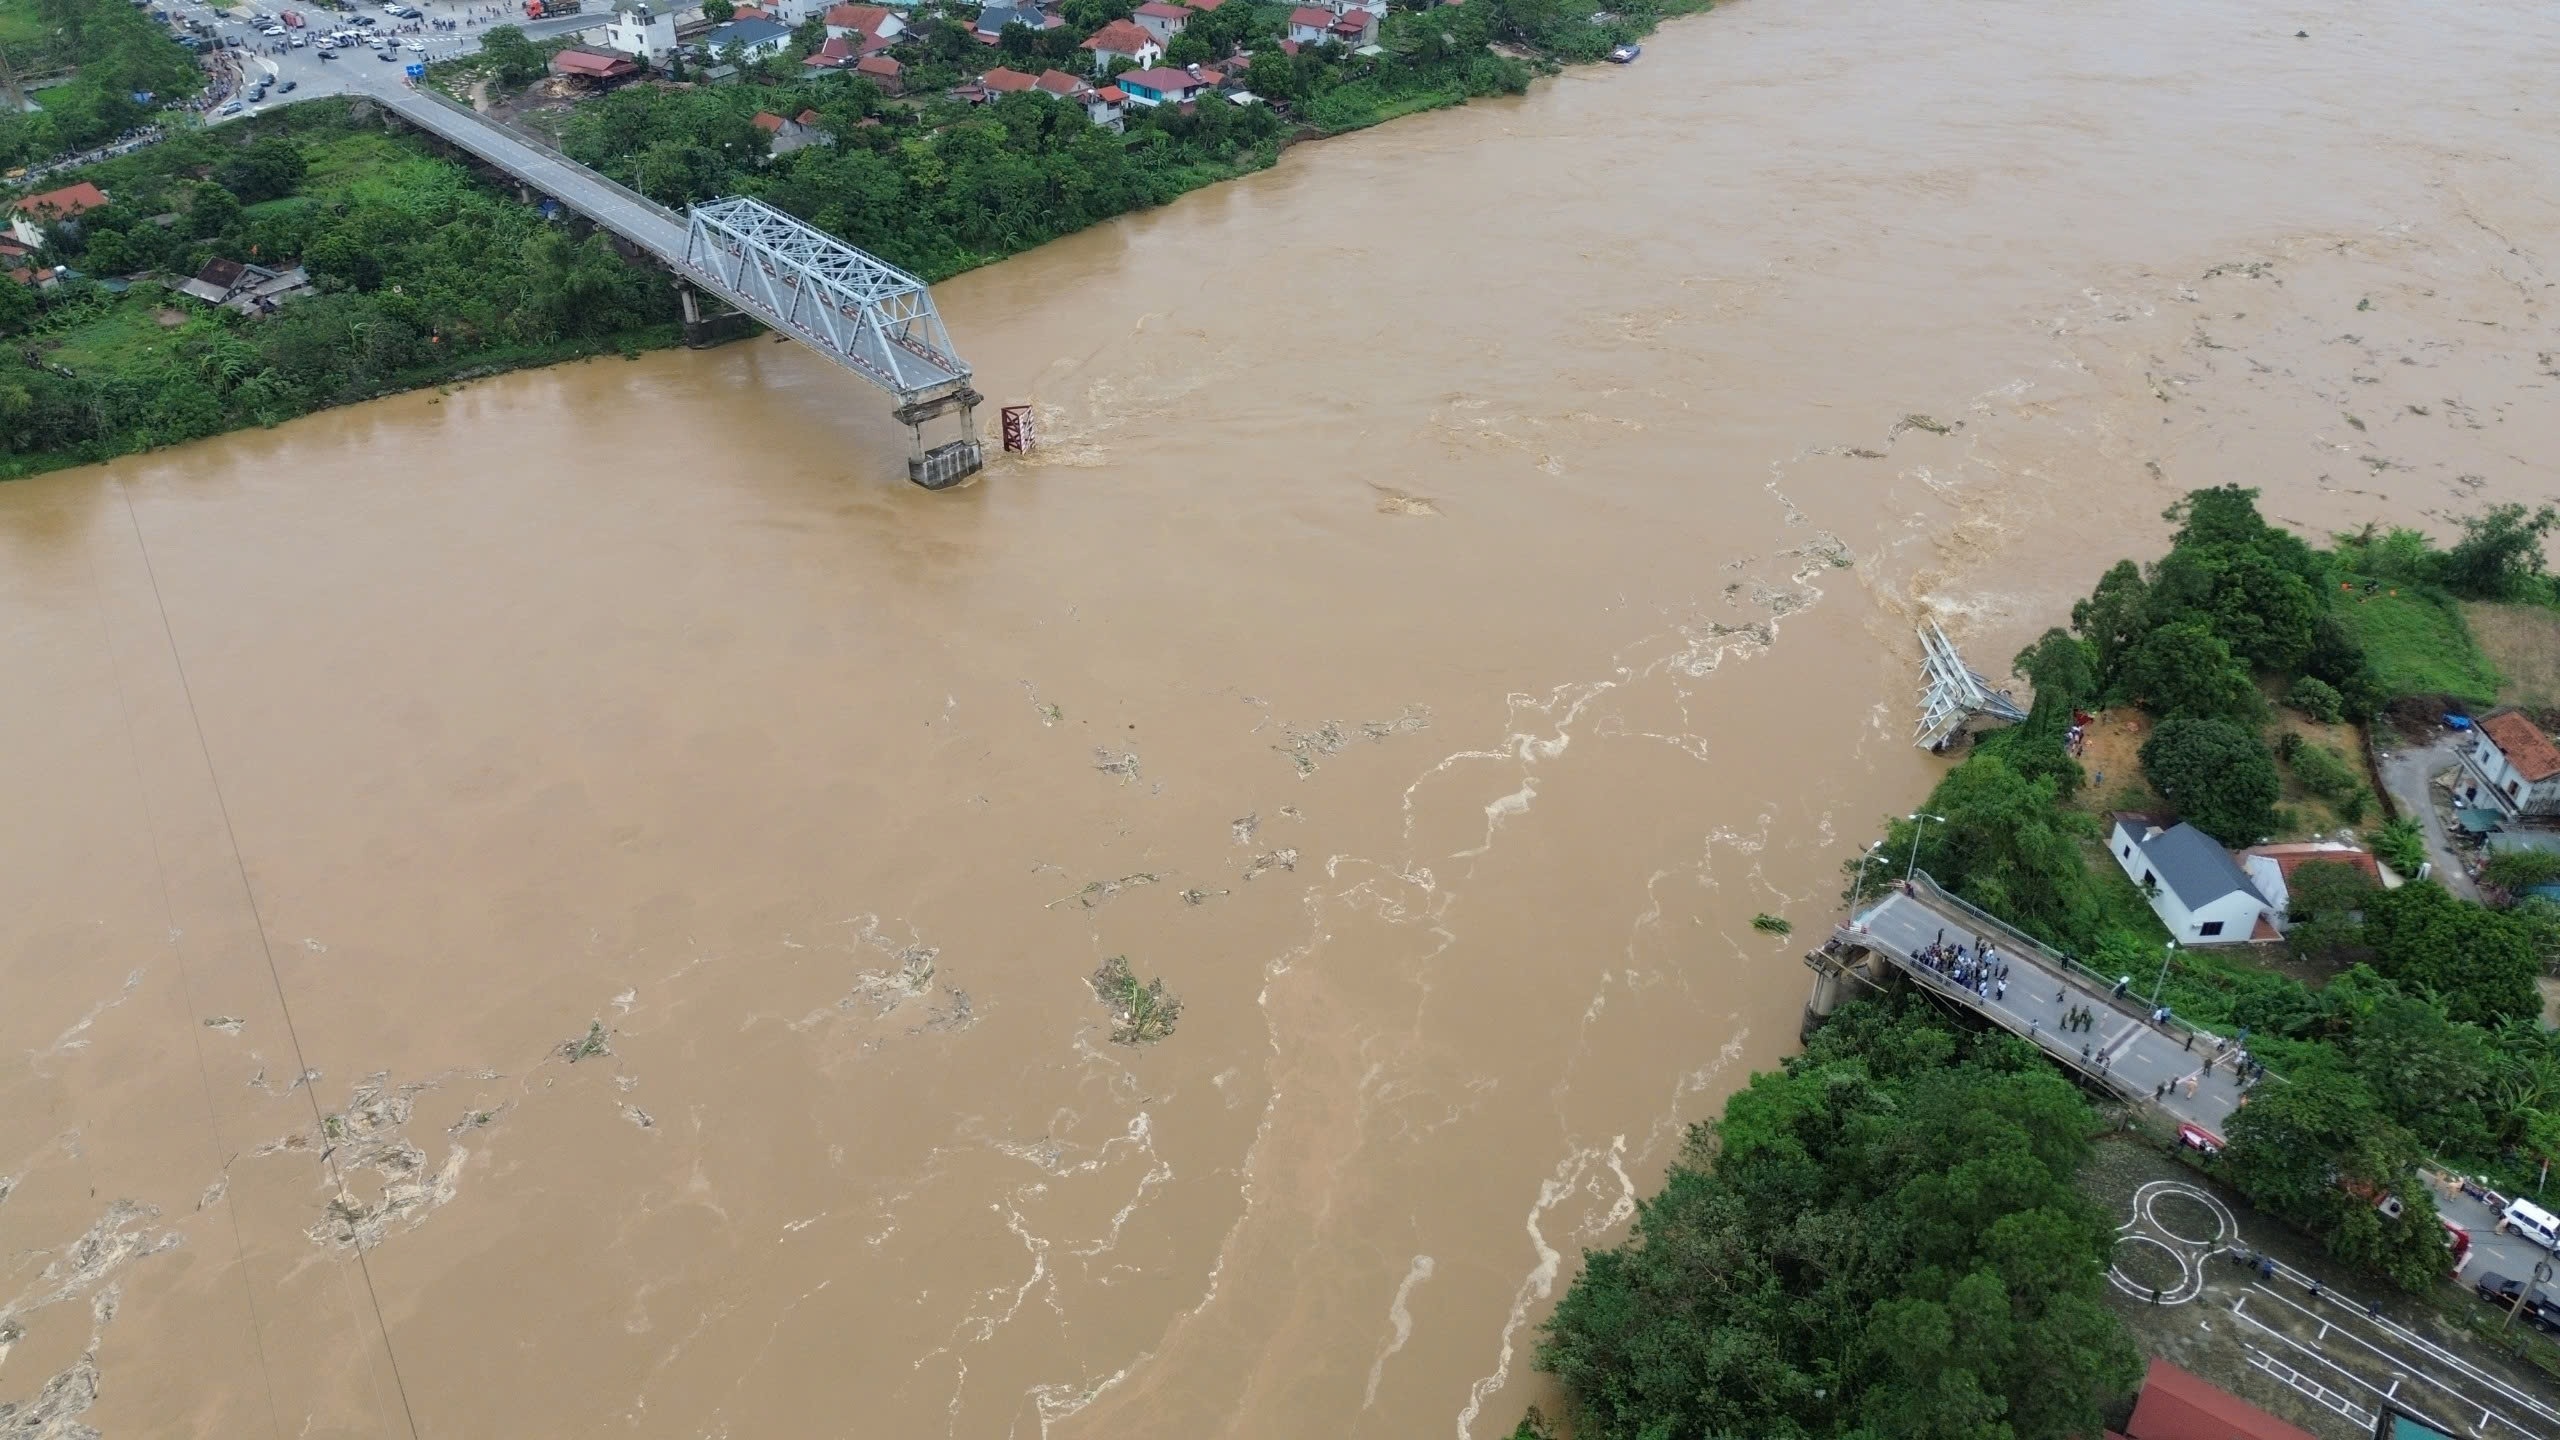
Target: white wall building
<point>2510,765</point>
<point>2194,885</point>
<point>637,28</point>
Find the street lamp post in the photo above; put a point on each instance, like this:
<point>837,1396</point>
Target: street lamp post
<point>1858,887</point>
<point>1917,818</point>
<point>2168,951</point>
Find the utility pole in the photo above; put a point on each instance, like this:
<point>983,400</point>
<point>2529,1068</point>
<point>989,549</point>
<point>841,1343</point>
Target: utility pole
<point>9,90</point>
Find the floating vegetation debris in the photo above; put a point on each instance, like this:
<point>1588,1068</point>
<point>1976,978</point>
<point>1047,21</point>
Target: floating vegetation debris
<point>1202,897</point>
<point>588,1046</point>
<point>227,1024</point>
<point>1305,747</point>
<point>1283,859</point>
<point>1923,422</point>
<point>2254,269</point>
<point>1049,714</point>
<point>1862,453</point>
<point>1097,891</point>
<point>1141,1014</point>
<point>1123,764</point>
<point>1772,924</point>
<point>909,974</point>
<point>1243,829</point>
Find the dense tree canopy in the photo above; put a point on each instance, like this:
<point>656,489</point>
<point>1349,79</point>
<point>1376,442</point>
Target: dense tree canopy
<point>2184,669</point>
<point>2481,962</point>
<point>2218,774</point>
<point>116,54</point>
<point>1882,1239</point>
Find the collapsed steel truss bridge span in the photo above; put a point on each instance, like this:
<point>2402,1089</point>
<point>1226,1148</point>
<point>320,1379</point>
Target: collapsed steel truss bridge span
<point>857,310</point>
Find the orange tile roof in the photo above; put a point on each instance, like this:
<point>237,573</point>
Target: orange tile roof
<point>67,201</point>
<point>2523,743</point>
<point>2176,1405</point>
<point>1121,37</point>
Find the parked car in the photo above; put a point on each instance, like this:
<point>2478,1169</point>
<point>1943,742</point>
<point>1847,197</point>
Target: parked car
<point>233,108</point>
<point>289,86</point>
<point>271,30</point>
<point>2540,1310</point>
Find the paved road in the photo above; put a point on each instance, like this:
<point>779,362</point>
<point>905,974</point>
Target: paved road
<point>652,227</point>
<point>2137,1056</point>
<point>2410,775</point>
<point>2490,1251</point>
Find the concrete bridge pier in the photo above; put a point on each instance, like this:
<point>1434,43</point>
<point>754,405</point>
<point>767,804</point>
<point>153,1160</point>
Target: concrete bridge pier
<point>702,331</point>
<point>939,467</point>
<point>1838,973</point>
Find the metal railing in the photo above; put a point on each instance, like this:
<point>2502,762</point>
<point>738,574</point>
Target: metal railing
<point>2013,941</point>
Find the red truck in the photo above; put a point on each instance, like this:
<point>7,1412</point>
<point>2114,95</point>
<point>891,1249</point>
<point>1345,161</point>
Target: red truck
<point>293,18</point>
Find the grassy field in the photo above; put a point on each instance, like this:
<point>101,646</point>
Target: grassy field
<point>2419,643</point>
<point>2523,642</point>
<point>122,335</point>
<point>21,33</point>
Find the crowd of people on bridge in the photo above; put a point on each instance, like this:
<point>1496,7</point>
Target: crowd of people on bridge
<point>1979,969</point>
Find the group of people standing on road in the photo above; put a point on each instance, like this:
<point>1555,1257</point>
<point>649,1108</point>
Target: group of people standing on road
<point>1979,969</point>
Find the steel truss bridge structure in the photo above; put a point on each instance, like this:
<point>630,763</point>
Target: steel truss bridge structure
<point>1951,694</point>
<point>860,312</point>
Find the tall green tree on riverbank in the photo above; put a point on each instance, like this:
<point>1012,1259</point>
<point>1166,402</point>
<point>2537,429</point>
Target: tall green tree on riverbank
<point>1882,1238</point>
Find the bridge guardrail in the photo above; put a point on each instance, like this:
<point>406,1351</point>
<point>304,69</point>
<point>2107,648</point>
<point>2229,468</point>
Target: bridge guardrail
<point>2011,939</point>
<point>547,150</point>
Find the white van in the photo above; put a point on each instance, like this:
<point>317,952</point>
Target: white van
<point>2523,1217</point>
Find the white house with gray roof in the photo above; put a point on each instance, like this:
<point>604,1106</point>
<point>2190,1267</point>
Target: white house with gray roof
<point>2196,888</point>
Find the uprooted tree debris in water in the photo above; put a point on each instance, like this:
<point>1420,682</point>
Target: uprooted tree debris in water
<point>1142,1013</point>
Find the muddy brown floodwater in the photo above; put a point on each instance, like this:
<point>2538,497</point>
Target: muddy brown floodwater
<point>1468,576</point>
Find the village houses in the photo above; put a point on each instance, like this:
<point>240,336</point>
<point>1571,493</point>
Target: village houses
<point>869,29</point>
<point>753,39</point>
<point>29,216</point>
<point>1161,20</point>
<point>1122,40</point>
<point>638,28</point>
<point>2193,884</point>
<point>2510,765</point>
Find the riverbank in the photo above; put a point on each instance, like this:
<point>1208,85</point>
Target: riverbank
<point>447,310</point>
<point>1498,640</point>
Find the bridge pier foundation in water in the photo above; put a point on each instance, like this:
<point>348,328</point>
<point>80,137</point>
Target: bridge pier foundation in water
<point>939,467</point>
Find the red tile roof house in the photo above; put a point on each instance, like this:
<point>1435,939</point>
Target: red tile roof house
<point>869,27</point>
<point>2512,765</point>
<point>1165,86</point>
<point>2271,867</point>
<point>797,133</point>
<point>1310,25</point>
<point>836,53</point>
<point>1356,28</point>
<point>2176,1405</point>
<point>1122,40</point>
<point>1001,81</point>
<point>1161,20</point>
<point>884,72</point>
<point>603,67</point>
<point>29,216</point>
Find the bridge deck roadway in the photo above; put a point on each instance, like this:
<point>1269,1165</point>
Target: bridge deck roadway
<point>2138,1054</point>
<point>652,227</point>
<point>909,374</point>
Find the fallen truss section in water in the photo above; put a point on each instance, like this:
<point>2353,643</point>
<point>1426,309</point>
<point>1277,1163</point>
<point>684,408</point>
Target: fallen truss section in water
<point>1951,694</point>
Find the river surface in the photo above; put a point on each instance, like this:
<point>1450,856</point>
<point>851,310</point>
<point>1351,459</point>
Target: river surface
<point>1469,573</point>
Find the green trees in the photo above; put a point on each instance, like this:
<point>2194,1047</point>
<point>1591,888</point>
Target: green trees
<point>2499,556</point>
<point>515,59</point>
<point>2317,699</point>
<point>1881,1239</point>
<point>2323,1153</point>
<point>115,52</point>
<point>266,169</point>
<point>2186,669</point>
<point>2481,962</point>
<point>2326,901</point>
<point>2221,778</point>
<point>2007,847</point>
